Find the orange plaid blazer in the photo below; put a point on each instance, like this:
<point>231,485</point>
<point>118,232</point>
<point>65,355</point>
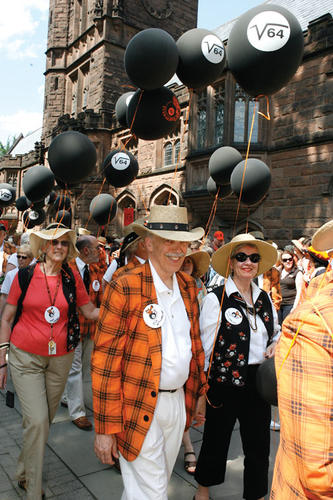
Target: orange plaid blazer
<point>126,269</point>
<point>88,326</point>
<point>271,285</point>
<point>304,462</point>
<point>127,357</point>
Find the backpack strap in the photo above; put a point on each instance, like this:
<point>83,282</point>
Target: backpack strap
<point>24,278</point>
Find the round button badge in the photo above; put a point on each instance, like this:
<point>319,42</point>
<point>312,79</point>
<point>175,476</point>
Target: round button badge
<point>96,285</point>
<point>52,314</point>
<point>153,315</point>
<point>233,316</point>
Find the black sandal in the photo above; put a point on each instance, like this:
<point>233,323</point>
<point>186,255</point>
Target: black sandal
<point>189,463</point>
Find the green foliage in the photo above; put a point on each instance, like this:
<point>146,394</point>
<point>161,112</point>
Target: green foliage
<point>5,146</point>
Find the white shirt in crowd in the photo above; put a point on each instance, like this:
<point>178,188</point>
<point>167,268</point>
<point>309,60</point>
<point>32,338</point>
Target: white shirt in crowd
<point>210,321</point>
<point>176,338</point>
<point>113,267</point>
<point>7,282</point>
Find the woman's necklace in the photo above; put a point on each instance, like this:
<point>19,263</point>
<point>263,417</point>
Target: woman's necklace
<point>52,313</point>
<point>251,312</point>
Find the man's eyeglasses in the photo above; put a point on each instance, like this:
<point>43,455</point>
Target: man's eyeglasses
<point>287,260</point>
<point>63,243</point>
<point>241,257</point>
<point>22,257</point>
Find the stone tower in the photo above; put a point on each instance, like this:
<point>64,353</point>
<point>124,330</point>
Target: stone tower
<point>84,59</point>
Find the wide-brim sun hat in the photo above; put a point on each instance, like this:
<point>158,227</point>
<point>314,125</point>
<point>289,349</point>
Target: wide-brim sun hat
<point>299,244</point>
<point>322,240</point>
<point>201,261</point>
<point>38,239</point>
<point>169,222</point>
<point>268,254</point>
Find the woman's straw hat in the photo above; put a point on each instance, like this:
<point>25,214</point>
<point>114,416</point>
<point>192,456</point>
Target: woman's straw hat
<point>169,222</point>
<point>201,261</point>
<point>268,254</point>
<point>53,232</point>
<point>322,240</point>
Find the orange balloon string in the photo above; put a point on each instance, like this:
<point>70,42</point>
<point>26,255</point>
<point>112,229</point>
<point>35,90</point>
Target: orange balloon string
<point>182,136</point>
<point>142,199</point>
<point>210,218</point>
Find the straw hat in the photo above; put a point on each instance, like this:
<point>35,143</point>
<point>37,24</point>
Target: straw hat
<point>322,240</point>
<point>201,261</point>
<point>299,244</point>
<point>129,240</point>
<point>102,240</point>
<point>169,222</point>
<point>268,254</point>
<point>82,231</point>
<point>53,232</point>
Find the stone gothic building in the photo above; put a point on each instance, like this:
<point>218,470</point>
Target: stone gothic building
<point>85,76</point>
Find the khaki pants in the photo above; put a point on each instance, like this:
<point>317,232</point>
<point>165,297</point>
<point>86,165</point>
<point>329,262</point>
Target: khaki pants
<point>39,382</point>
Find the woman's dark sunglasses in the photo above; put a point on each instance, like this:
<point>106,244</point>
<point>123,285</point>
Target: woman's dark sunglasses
<point>287,260</point>
<point>21,257</point>
<point>241,257</point>
<point>63,243</point>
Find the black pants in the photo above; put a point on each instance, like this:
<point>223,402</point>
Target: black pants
<point>283,312</point>
<point>254,415</point>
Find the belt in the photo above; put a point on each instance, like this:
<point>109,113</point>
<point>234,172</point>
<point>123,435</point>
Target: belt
<point>167,390</point>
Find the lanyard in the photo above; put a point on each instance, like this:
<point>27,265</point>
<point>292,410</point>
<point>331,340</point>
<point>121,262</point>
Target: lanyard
<point>52,302</point>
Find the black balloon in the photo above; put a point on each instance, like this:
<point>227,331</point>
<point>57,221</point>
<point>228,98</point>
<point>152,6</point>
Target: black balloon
<point>212,189</point>
<point>201,58</point>
<point>222,162</point>
<point>265,48</point>
<point>120,168</point>
<point>121,108</point>
<point>153,114</point>
<point>50,198</point>
<point>151,58</point>
<point>65,185</point>
<point>72,156</point>
<point>37,182</point>
<point>7,194</point>
<point>38,204</point>
<point>64,217</point>
<point>266,381</point>
<point>22,203</point>
<point>32,218</point>
<point>103,208</point>
<point>257,180</point>
<point>62,202</point>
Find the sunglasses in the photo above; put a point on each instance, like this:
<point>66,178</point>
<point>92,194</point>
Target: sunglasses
<point>241,257</point>
<point>287,260</point>
<point>63,243</point>
<point>21,257</point>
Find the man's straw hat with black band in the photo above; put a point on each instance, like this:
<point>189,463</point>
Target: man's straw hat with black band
<point>268,254</point>
<point>201,260</point>
<point>322,240</point>
<point>38,239</point>
<point>169,222</point>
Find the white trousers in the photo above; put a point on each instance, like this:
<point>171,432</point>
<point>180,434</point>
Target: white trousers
<point>73,394</point>
<point>147,477</point>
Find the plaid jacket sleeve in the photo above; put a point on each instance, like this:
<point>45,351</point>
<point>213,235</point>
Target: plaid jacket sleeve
<point>304,463</point>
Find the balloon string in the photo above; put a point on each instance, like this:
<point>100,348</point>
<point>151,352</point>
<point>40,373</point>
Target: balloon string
<point>210,218</point>
<point>267,116</point>
<point>181,140</point>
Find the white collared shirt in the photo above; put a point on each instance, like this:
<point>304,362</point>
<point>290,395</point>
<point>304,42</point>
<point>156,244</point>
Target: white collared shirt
<point>80,265</point>
<point>176,339</point>
<point>210,321</point>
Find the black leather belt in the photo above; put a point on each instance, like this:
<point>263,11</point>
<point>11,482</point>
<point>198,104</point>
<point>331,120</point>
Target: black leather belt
<point>167,390</point>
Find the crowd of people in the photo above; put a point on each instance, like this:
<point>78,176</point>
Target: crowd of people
<point>178,325</point>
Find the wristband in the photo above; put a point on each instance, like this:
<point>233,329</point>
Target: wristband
<point>3,366</point>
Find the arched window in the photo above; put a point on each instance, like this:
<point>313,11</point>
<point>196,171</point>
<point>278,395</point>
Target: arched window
<point>168,154</point>
<point>177,152</point>
<point>202,119</point>
<point>244,107</point>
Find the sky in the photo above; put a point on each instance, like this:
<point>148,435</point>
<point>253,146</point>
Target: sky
<point>23,37</point>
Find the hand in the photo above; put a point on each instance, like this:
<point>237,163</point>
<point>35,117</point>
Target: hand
<point>200,411</point>
<point>270,351</point>
<point>3,377</point>
<point>106,448</point>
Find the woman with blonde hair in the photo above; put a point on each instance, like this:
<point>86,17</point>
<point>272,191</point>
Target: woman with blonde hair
<point>41,329</point>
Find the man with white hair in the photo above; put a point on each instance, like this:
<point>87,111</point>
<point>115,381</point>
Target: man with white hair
<point>148,363</point>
